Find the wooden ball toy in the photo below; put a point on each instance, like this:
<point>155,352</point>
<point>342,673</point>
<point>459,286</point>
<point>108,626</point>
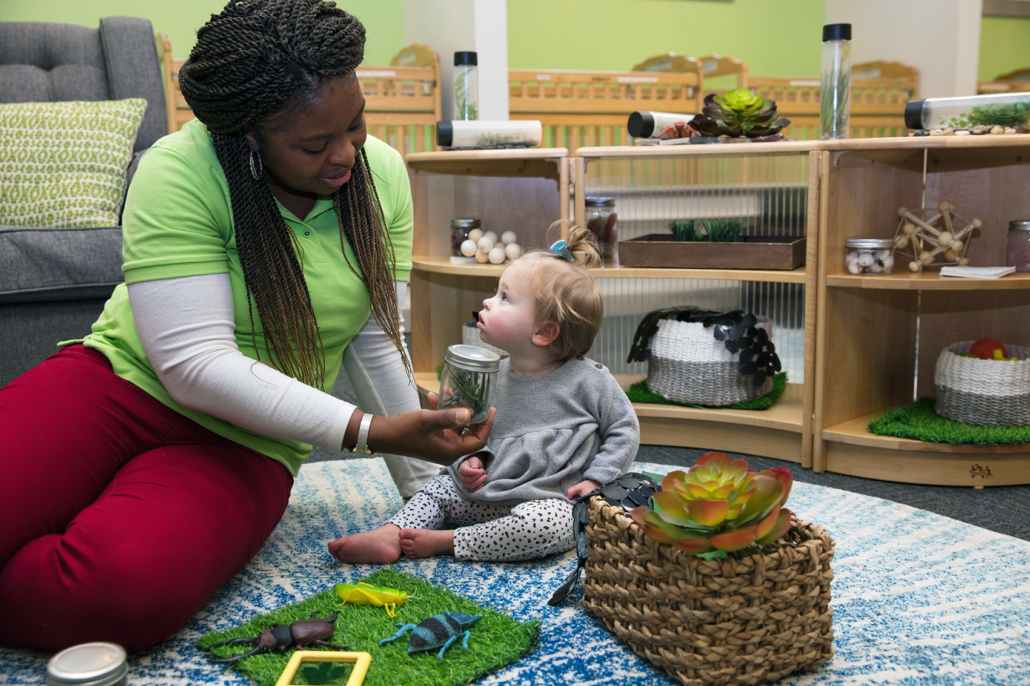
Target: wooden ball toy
<point>956,246</point>
<point>482,257</point>
<point>468,248</point>
<point>513,251</point>
<point>914,266</point>
<point>492,235</point>
<point>486,244</point>
<point>977,223</point>
<point>475,235</point>
<point>508,237</point>
<point>497,255</point>
<point>909,228</point>
<point>945,205</point>
<point>902,211</point>
<point>963,262</point>
<point>945,239</point>
<point>928,260</point>
<point>901,242</point>
<point>950,256</point>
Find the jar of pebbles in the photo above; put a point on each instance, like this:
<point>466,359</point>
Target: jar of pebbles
<point>869,256</point>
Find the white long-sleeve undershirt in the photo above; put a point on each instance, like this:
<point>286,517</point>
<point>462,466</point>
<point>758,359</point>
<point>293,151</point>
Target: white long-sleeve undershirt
<point>187,330</point>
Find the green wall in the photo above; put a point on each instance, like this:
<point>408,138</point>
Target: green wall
<point>1004,46</point>
<point>180,19</point>
<point>773,38</point>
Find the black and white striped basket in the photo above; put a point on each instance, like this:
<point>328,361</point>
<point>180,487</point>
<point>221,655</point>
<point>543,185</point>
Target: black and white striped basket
<point>688,365</point>
<point>983,392</point>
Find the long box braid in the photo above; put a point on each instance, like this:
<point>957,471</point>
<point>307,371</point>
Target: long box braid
<point>250,61</point>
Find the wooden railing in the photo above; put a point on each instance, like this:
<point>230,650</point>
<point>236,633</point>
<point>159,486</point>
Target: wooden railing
<point>586,108</point>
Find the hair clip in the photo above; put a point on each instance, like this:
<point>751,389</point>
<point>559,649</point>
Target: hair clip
<point>561,249</point>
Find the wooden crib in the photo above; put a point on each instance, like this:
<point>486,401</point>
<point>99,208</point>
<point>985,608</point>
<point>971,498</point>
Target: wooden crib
<point>587,108</point>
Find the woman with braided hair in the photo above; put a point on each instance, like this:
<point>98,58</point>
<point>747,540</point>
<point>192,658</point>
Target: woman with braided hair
<point>265,246</point>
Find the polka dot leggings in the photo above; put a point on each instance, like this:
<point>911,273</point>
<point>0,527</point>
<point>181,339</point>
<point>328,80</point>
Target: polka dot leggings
<point>529,530</point>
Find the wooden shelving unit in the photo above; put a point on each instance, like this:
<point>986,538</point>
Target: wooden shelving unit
<point>743,178</point>
<point>517,189</point>
<point>878,337</point>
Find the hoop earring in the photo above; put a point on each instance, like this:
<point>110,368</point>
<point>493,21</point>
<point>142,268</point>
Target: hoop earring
<point>257,170</point>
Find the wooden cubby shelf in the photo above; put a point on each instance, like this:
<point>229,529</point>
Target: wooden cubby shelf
<point>879,336</point>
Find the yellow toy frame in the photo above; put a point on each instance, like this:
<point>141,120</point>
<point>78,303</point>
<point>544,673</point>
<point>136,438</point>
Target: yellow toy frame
<point>361,661</point>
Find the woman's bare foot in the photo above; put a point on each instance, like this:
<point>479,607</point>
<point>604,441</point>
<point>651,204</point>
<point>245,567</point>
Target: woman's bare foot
<point>378,547</point>
<point>427,542</point>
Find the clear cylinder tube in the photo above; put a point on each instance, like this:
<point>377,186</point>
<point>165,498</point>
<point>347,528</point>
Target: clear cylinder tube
<point>999,109</point>
<point>466,86</point>
<point>835,91</point>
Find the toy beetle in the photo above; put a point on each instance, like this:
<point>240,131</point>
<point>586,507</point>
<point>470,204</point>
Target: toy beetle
<point>309,631</point>
<point>438,630</point>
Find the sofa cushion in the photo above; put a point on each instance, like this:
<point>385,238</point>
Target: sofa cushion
<point>65,163</point>
<point>42,62</point>
<point>40,265</point>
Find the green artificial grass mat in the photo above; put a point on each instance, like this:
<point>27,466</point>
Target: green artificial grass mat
<point>640,393</point>
<point>495,641</point>
<point>919,421</point>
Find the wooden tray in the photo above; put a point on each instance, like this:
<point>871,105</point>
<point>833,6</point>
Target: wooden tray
<point>751,252</point>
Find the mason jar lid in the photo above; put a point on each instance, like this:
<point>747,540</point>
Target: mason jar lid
<point>465,224</point>
<point>870,243</point>
<point>1019,225</point>
<point>472,358</point>
<point>88,664</point>
<point>596,201</point>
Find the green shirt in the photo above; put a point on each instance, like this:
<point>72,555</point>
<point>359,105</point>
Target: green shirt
<point>178,222</point>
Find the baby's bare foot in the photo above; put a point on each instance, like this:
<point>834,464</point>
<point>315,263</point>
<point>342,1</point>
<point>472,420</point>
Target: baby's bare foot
<point>378,547</point>
<point>426,542</point>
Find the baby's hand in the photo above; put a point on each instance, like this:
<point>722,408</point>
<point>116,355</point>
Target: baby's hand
<point>472,474</point>
<point>582,488</point>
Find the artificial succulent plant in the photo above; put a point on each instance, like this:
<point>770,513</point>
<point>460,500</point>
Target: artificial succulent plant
<point>738,113</point>
<point>719,504</point>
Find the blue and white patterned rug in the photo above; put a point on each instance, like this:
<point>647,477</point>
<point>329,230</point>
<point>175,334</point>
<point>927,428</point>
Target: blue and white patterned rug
<point>918,598</point>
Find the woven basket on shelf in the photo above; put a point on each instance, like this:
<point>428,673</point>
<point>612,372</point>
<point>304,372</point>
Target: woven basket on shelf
<point>983,392</point>
<point>725,621</point>
<point>470,336</point>
<point>688,365</point>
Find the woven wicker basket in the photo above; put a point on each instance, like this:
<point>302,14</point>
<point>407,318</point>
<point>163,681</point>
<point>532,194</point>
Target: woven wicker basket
<point>983,392</point>
<point>725,621</point>
<point>688,365</point>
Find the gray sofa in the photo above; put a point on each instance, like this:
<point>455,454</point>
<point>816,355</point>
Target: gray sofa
<point>54,282</point>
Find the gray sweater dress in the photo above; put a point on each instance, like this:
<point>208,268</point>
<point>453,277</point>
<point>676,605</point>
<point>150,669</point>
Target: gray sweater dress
<point>553,431</point>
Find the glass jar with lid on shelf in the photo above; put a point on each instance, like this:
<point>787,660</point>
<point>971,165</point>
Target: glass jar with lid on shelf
<point>869,255</point>
<point>600,220</point>
<point>1019,245</point>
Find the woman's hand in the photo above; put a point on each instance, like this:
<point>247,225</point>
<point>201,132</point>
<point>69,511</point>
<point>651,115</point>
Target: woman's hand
<point>472,473</point>
<point>435,435</point>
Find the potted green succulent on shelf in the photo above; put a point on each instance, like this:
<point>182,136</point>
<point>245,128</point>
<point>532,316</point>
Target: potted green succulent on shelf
<point>718,505</point>
<point>739,113</point>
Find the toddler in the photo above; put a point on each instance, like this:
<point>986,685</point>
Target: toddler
<point>563,427</point>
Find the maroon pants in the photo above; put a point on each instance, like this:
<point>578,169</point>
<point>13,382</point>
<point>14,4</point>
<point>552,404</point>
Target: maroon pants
<point>119,517</point>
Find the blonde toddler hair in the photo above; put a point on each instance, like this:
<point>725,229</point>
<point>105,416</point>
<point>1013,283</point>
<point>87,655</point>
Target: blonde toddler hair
<point>565,293</point>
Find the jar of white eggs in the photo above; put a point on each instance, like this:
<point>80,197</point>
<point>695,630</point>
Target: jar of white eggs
<point>869,256</point>
<point>489,248</point>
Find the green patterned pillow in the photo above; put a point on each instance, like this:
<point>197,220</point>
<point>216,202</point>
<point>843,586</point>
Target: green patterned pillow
<point>65,163</point>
